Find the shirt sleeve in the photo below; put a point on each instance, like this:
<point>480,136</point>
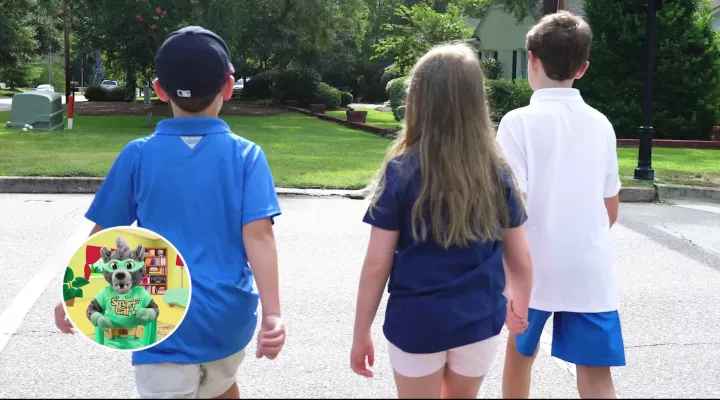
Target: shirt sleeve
<point>145,298</point>
<point>513,148</point>
<point>516,208</point>
<point>114,203</point>
<point>260,198</point>
<point>386,212</point>
<point>612,178</point>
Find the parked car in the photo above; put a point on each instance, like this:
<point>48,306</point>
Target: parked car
<point>238,87</point>
<point>45,88</point>
<point>109,84</point>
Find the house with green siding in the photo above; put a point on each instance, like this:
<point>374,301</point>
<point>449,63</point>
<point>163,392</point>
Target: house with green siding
<point>500,36</point>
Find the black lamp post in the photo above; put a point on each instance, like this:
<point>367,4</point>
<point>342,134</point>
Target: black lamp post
<point>644,170</point>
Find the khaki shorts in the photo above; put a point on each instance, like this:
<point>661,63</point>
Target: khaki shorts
<point>187,381</point>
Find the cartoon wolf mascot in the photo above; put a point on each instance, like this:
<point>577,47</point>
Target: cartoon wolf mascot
<point>123,307</point>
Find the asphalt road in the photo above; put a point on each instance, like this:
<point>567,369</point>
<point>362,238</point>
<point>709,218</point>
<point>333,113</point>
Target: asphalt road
<point>6,103</point>
<point>668,262</point>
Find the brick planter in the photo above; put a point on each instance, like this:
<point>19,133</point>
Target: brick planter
<point>716,133</point>
<point>356,116</point>
<point>317,108</point>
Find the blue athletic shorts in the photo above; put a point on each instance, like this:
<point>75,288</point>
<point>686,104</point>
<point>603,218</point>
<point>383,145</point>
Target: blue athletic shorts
<point>587,339</point>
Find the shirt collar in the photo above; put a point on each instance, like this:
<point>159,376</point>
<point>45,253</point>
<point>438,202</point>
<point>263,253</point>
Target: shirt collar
<point>556,94</point>
<point>191,126</point>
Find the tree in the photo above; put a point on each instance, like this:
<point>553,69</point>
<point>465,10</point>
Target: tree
<point>521,8</point>
<point>423,28</point>
<point>686,100</point>
<point>17,40</point>
<point>473,8</point>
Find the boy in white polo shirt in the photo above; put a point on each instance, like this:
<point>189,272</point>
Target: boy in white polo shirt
<point>563,154</point>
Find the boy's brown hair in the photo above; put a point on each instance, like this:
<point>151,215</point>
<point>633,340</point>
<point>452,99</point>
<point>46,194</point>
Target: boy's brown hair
<point>194,105</point>
<point>561,42</point>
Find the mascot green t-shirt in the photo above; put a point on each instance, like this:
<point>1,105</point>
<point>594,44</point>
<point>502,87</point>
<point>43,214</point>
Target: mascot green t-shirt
<point>123,308</point>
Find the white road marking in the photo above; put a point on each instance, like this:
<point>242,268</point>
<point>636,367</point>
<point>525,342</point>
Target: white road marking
<point>700,207</point>
<point>14,314</point>
<point>546,347</point>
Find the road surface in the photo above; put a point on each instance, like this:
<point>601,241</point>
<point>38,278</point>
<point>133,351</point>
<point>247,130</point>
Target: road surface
<point>668,262</point>
<point>6,102</point>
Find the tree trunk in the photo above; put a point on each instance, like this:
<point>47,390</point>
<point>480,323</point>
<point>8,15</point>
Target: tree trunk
<point>553,6</point>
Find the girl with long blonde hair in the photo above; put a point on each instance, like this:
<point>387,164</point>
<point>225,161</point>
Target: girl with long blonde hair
<point>444,212</point>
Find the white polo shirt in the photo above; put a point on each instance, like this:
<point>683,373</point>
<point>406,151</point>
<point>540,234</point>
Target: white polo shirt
<point>564,156</point>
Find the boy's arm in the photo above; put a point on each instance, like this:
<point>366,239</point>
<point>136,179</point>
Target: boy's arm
<point>114,203</point>
<point>611,191</point>
<point>512,145</point>
<point>259,242</point>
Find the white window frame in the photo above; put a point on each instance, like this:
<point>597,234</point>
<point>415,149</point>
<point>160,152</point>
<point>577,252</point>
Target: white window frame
<point>486,54</point>
<point>523,64</point>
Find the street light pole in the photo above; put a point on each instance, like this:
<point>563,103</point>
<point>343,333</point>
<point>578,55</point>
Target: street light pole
<point>644,170</point>
<point>66,29</point>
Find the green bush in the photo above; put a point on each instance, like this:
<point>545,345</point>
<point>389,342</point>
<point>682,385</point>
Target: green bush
<point>328,95</point>
<point>296,84</point>
<point>686,82</point>
<point>345,98</point>
<point>505,95</point>
<point>98,93</point>
<point>492,68</point>
<point>396,91</point>
<point>260,86</point>
<point>389,75</point>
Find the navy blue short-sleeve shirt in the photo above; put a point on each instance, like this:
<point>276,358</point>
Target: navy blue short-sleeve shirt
<point>440,298</point>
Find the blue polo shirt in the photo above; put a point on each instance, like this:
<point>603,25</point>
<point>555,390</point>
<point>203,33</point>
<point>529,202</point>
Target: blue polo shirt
<point>439,299</point>
<point>197,184</point>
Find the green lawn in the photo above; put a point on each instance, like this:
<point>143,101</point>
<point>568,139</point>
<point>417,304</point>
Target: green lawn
<point>677,166</point>
<point>303,151</point>
<point>10,92</point>
<point>377,118</point>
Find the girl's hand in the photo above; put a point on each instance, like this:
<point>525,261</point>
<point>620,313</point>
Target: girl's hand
<point>362,350</point>
<point>516,324</point>
<point>61,322</point>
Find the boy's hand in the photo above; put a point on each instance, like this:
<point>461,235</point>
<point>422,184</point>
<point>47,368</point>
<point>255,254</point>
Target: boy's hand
<point>61,322</point>
<point>515,323</point>
<point>271,337</point>
<point>362,350</point>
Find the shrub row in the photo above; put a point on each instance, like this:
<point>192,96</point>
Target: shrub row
<point>302,85</point>
<point>98,93</point>
<point>503,96</point>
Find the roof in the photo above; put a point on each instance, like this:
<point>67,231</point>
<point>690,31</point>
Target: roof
<point>716,4</point>
<point>472,23</point>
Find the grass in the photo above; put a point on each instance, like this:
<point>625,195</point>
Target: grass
<point>303,151</point>
<point>677,166</point>
<point>10,92</point>
<point>384,119</point>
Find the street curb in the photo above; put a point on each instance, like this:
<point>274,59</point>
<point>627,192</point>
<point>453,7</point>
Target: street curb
<point>637,195</point>
<point>668,193</point>
<point>82,185</point>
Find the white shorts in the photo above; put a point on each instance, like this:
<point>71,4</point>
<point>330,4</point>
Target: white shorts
<point>187,381</point>
<point>472,360</point>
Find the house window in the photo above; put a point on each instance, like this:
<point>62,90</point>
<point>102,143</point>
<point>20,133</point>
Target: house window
<point>489,54</point>
<point>523,64</point>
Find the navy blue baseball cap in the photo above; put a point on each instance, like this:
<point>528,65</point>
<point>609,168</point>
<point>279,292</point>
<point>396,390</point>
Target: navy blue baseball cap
<point>193,62</point>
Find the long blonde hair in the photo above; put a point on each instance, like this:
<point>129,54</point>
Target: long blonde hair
<point>447,125</point>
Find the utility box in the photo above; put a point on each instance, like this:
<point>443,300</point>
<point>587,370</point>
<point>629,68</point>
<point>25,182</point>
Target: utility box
<point>42,110</point>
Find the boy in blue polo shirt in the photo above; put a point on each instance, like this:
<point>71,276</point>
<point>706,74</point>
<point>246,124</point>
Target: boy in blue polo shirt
<point>211,194</point>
